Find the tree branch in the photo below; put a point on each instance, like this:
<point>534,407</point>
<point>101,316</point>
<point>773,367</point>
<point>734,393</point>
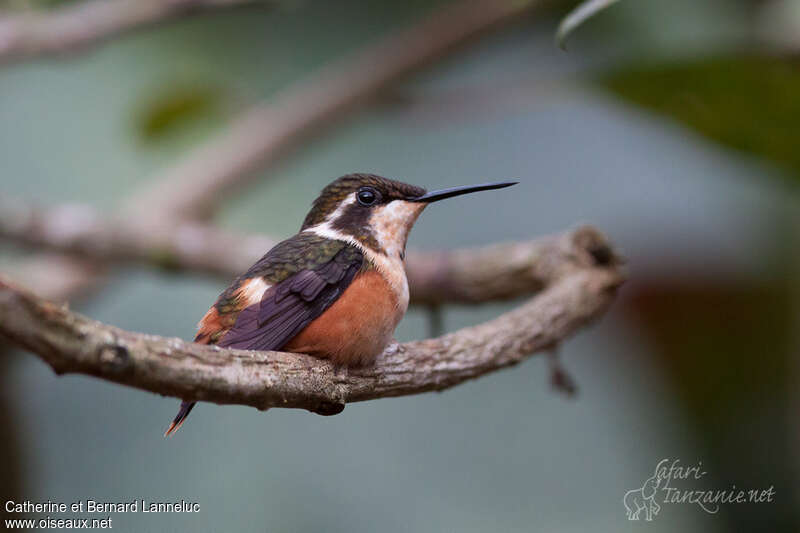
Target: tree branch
<point>78,26</point>
<point>473,275</point>
<point>71,343</point>
<point>191,188</point>
<point>266,132</point>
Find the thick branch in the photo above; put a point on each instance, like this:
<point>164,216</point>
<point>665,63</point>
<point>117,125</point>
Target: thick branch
<point>71,343</point>
<point>495,272</point>
<point>78,26</point>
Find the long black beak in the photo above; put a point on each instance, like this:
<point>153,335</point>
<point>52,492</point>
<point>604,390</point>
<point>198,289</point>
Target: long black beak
<point>435,196</point>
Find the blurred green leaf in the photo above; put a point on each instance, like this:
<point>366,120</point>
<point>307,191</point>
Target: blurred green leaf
<point>749,103</point>
<point>580,14</point>
<point>175,107</point>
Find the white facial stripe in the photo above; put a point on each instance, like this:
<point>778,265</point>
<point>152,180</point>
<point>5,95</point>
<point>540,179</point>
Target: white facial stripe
<point>390,224</point>
<point>326,230</point>
<point>339,211</point>
<point>391,268</point>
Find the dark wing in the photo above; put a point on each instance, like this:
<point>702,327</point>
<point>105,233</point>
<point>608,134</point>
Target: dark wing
<point>307,273</point>
<point>290,305</point>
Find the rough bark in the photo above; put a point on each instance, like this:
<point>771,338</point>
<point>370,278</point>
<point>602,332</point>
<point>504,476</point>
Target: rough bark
<point>583,288</point>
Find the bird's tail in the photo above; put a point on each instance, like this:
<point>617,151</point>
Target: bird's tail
<point>177,422</point>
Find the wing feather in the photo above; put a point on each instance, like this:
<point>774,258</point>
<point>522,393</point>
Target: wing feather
<point>289,306</point>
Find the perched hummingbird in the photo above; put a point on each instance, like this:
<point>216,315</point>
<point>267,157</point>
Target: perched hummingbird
<point>337,289</point>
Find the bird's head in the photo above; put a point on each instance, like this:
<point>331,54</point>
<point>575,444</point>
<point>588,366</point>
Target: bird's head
<point>377,212</point>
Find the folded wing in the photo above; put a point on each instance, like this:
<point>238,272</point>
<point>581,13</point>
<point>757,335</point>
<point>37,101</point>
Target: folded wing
<point>289,306</point>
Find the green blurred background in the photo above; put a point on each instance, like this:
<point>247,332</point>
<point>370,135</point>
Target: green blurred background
<point>673,125</point>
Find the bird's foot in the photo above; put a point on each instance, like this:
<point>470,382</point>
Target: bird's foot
<point>392,348</point>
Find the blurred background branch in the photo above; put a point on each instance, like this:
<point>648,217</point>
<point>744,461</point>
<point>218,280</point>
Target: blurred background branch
<point>264,133</point>
<point>75,27</point>
<point>494,272</point>
<point>196,184</point>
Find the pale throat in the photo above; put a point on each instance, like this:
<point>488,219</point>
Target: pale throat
<point>391,224</point>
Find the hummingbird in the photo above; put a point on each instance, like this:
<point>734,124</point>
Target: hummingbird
<point>337,289</point>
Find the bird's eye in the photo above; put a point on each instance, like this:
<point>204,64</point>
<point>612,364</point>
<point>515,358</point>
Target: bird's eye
<point>367,196</point>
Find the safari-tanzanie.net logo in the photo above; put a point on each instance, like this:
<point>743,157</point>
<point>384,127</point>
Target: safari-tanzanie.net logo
<point>671,483</point>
